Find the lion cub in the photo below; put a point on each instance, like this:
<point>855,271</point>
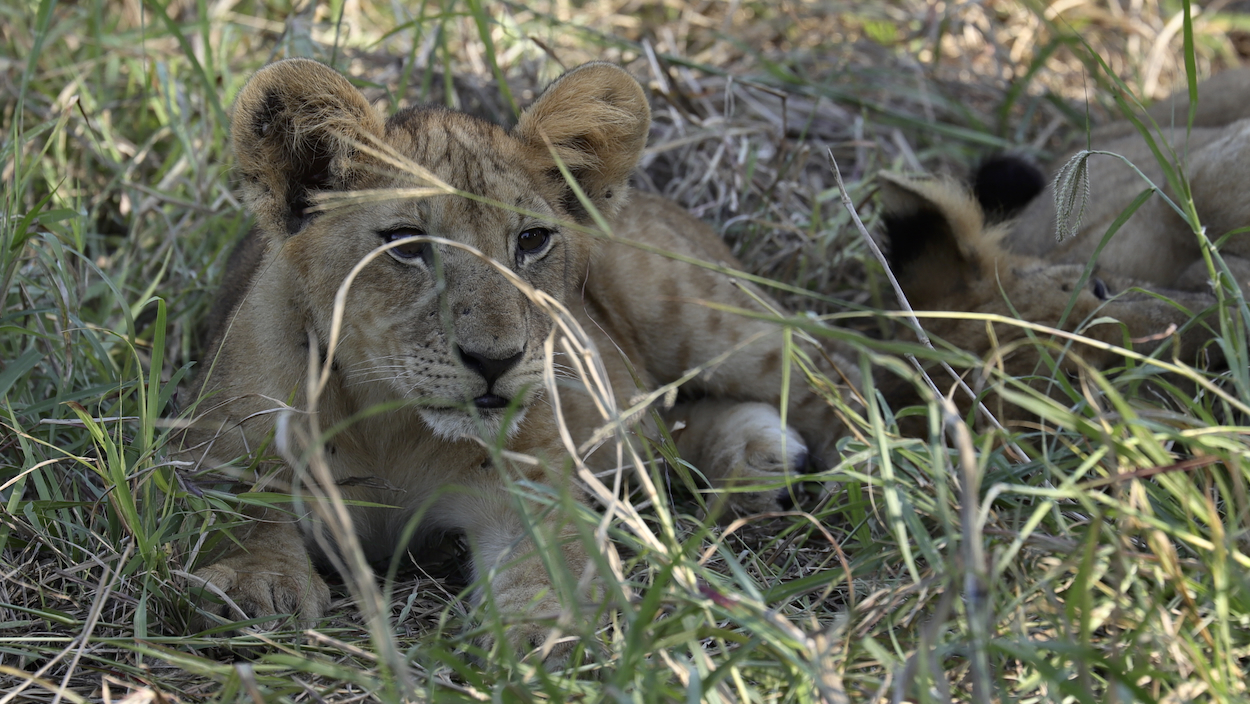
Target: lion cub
<point>438,337</point>
<point>993,249</point>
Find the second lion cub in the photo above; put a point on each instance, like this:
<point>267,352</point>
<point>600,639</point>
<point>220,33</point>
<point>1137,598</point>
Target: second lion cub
<point>952,249</point>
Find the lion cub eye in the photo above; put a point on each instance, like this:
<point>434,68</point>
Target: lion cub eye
<point>408,250</point>
<point>533,239</point>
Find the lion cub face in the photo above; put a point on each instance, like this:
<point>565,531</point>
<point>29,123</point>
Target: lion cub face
<point>434,322</point>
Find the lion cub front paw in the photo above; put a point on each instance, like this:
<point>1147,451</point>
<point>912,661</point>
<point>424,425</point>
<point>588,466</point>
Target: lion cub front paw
<point>762,459</point>
<point>538,624</point>
<point>533,635</point>
<point>743,446</point>
<point>265,585</point>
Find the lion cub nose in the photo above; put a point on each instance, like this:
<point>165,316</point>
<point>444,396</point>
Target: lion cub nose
<point>490,368</point>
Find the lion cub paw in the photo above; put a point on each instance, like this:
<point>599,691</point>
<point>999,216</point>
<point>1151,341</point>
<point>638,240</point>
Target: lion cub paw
<point>743,445</point>
<point>539,625</point>
<point>538,638</point>
<point>264,585</point>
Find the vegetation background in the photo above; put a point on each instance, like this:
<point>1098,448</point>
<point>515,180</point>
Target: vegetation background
<point>1101,558</point>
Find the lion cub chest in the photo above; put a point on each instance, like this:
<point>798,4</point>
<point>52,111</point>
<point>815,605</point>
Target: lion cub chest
<point>390,473</point>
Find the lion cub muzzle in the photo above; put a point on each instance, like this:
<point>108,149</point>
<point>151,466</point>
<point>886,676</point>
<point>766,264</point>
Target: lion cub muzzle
<point>490,368</point>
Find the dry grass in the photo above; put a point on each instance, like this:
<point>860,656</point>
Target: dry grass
<point>117,189</point>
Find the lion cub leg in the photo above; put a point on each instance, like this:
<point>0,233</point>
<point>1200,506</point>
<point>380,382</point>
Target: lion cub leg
<point>742,448</point>
<point>537,614</point>
<point>270,573</point>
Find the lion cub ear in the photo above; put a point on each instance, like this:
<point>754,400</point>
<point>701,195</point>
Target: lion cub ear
<point>296,127</point>
<point>935,234</point>
<point>595,118</point>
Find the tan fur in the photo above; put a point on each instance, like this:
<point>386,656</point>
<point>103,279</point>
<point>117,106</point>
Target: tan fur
<point>301,129</point>
<point>1019,269</point>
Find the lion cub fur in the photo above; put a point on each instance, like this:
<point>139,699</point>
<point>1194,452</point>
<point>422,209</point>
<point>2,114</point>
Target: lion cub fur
<point>460,359</point>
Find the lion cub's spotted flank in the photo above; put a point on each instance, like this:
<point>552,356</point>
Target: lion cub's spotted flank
<point>466,352</point>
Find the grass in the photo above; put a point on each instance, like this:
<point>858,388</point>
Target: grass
<point>1102,557</point>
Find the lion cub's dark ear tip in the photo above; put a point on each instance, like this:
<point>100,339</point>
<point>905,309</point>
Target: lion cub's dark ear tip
<point>907,236</point>
<point>1005,183</point>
